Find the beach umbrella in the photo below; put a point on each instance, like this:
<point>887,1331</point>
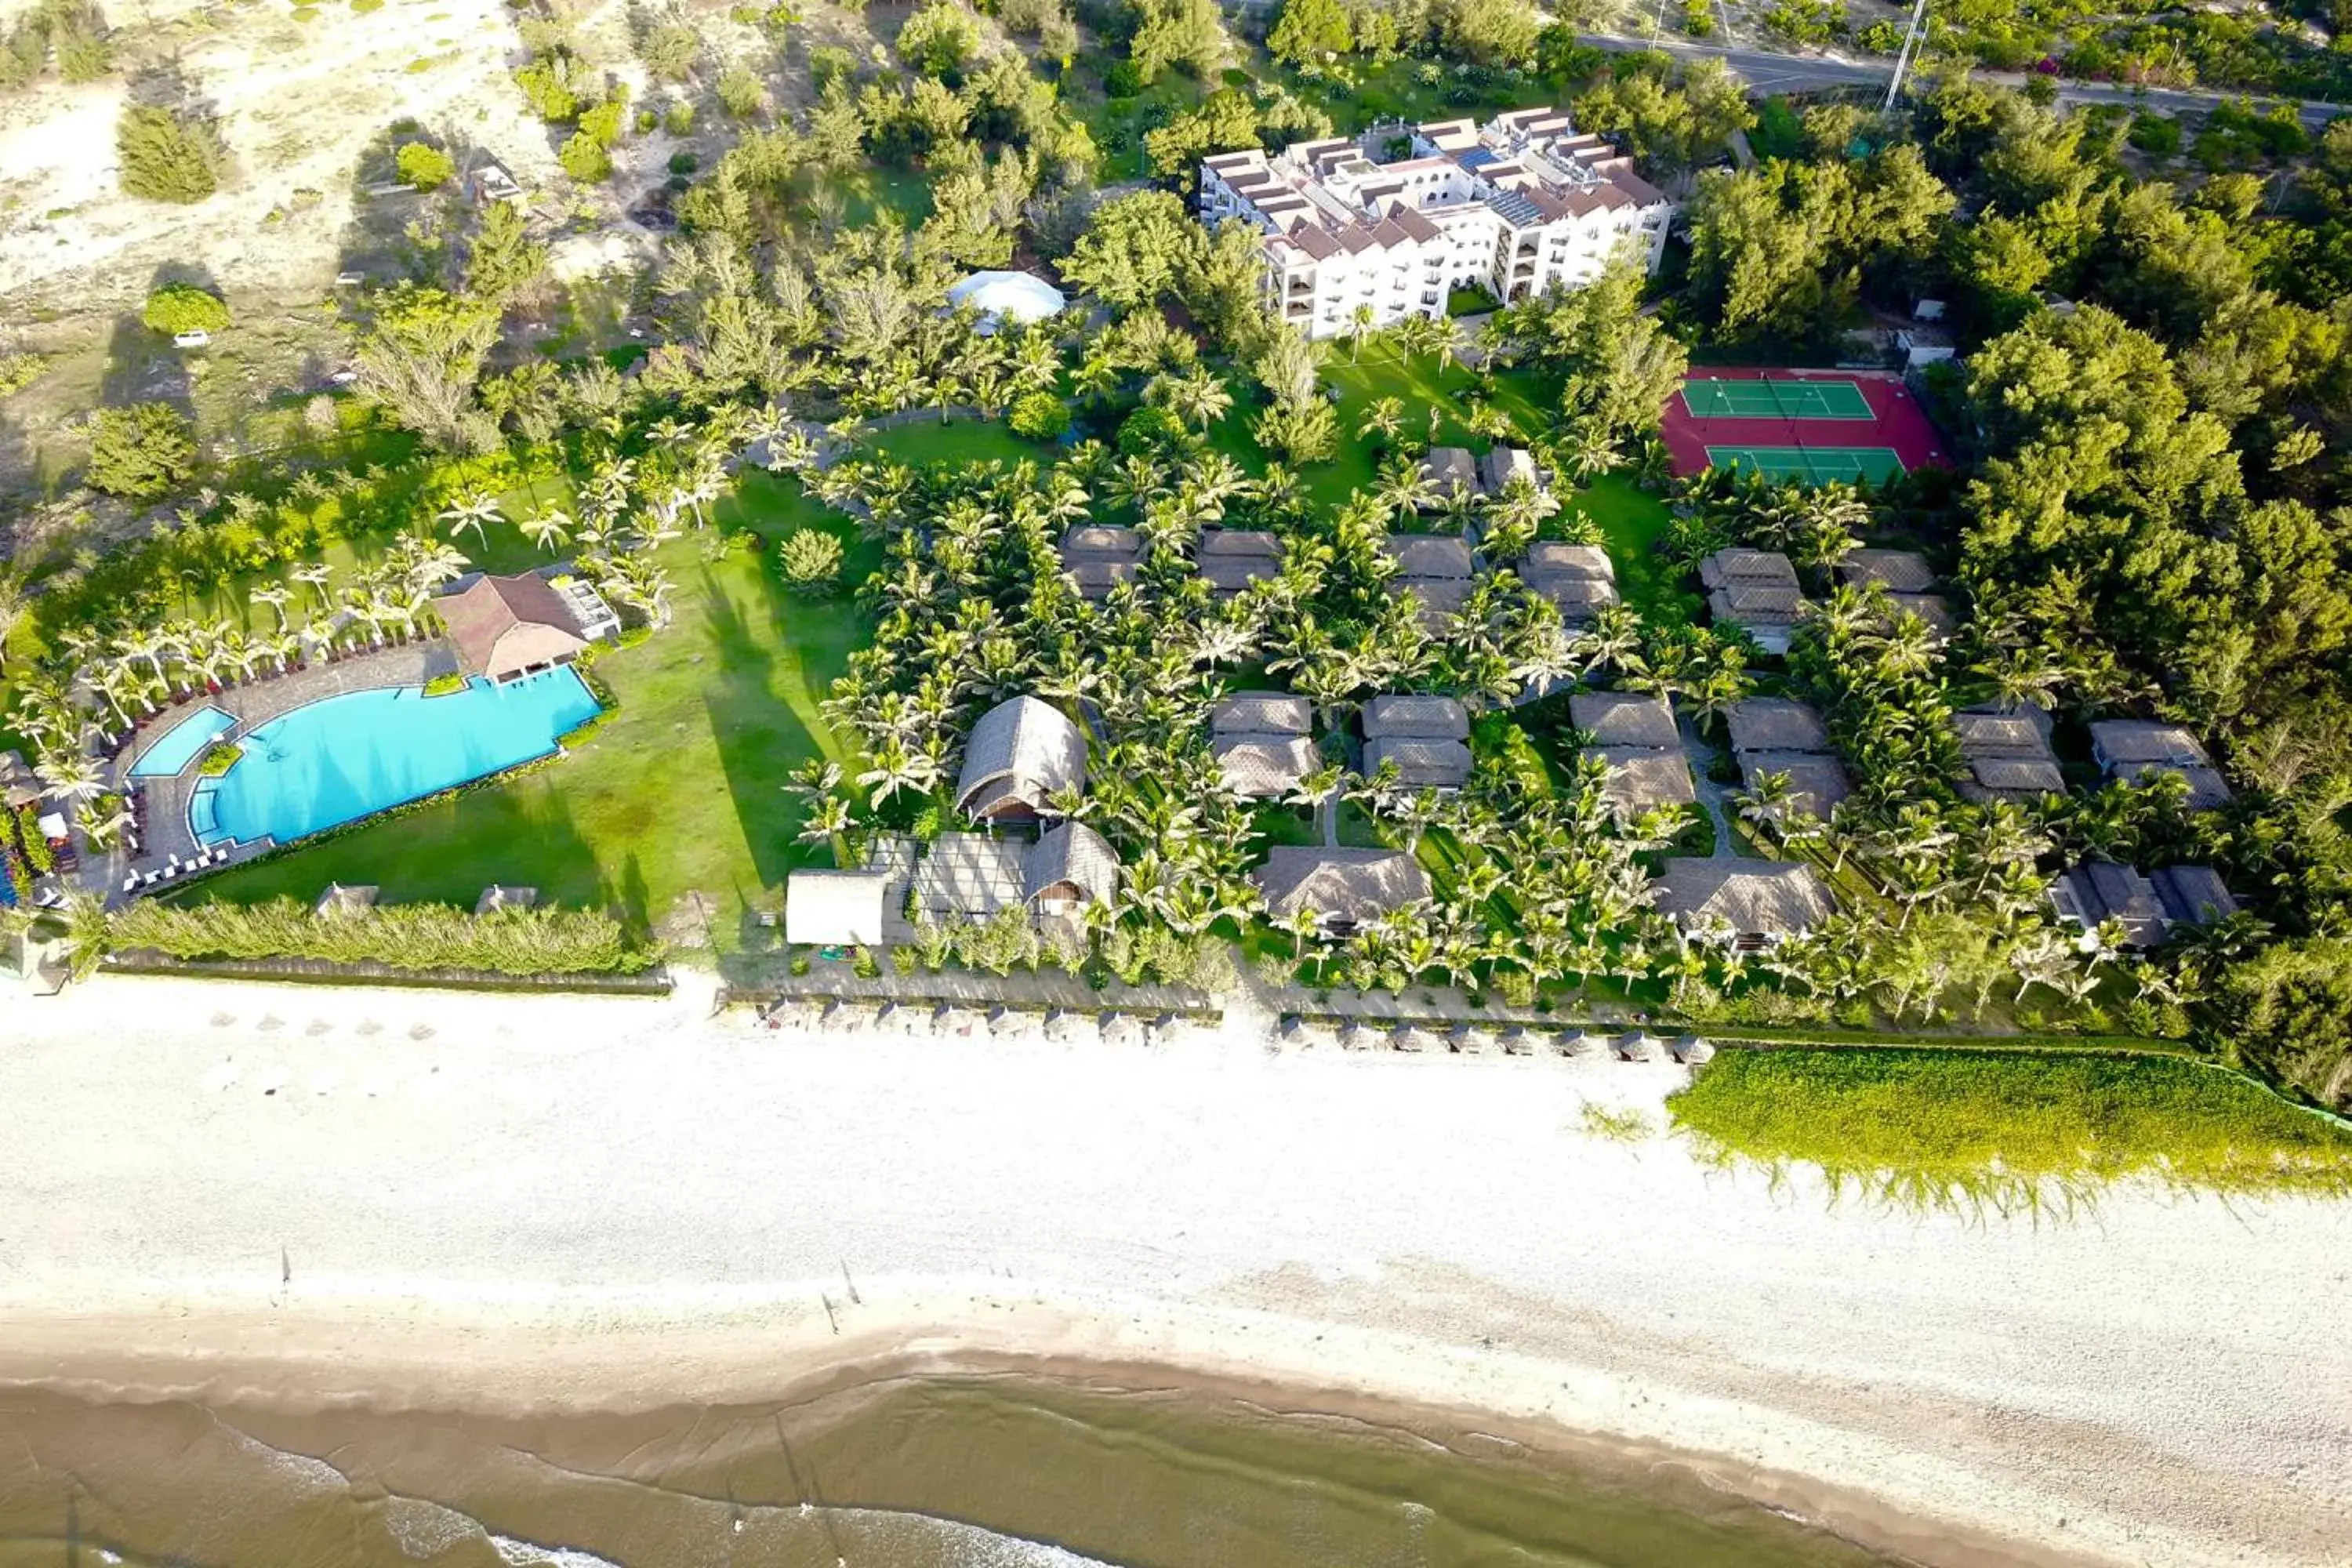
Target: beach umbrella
<point>1639,1046</point>
<point>1412,1037</point>
<point>1691,1050</point>
<point>1121,1029</point>
<point>1361,1037</point>
<point>1470,1040</point>
<point>1585,1045</point>
<point>1518,1040</point>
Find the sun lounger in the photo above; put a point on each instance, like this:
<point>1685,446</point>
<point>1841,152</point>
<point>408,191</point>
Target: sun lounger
<point>131,883</point>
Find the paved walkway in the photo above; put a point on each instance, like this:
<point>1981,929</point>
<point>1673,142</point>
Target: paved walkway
<point>1714,798</point>
<point>164,807</point>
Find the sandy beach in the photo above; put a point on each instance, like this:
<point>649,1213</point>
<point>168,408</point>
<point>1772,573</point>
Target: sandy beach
<point>420,1201</point>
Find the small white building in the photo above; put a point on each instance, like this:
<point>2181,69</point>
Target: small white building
<point>1001,297</point>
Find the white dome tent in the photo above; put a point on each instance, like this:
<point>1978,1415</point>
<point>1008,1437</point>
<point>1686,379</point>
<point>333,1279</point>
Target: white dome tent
<point>1008,297</point>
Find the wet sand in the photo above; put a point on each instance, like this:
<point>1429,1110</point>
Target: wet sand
<point>304,1203</point>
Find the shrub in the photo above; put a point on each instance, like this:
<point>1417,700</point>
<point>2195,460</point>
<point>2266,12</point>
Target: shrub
<point>220,757</point>
<point>939,39</point>
<point>425,166</point>
<point>580,734</point>
<point>541,941</point>
<point>140,452</point>
<point>19,371</point>
<point>585,159</point>
<point>2157,135</point>
<point>546,84</point>
<point>178,308</point>
<point>167,157</point>
<point>812,560</point>
<point>1039,416</point>
<point>740,94</point>
<point>678,119</point>
<point>447,685</point>
<point>683,163</point>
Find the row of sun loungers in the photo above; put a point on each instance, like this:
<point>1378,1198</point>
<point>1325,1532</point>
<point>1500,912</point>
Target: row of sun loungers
<point>1473,1039</point>
<point>174,868</point>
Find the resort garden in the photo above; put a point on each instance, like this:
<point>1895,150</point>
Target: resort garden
<point>842,524</point>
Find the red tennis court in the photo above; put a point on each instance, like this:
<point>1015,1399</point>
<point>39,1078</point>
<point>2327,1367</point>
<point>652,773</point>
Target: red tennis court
<point>1896,424</point>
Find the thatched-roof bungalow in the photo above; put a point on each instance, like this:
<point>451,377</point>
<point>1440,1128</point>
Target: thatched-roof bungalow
<point>1747,904</point>
<point>1343,888</point>
<point>1020,754</point>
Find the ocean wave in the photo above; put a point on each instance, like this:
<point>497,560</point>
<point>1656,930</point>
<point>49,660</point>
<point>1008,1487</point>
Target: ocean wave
<point>964,1546</point>
<point>424,1529</point>
<point>518,1553</point>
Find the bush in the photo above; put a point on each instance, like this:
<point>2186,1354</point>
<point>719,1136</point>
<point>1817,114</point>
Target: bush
<point>139,452</point>
<point>585,159</point>
<point>444,685</point>
<point>740,94</point>
<point>582,732</point>
<point>167,157</point>
<point>683,163</point>
<point>812,560</point>
<point>939,39</point>
<point>178,308</point>
<point>426,167</point>
<point>19,371</point>
<point>678,119</point>
<point>1039,416</point>
<point>220,757</point>
<point>541,941</point>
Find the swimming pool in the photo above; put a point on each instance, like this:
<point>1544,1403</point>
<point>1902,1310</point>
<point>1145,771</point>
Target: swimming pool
<point>183,743</point>
<point>336,761</point>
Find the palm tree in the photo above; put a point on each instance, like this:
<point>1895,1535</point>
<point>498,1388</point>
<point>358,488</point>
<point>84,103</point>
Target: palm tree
<point>1766,804</point>
<point>549,529</point>
<point>275,595</point>
<point>69,776</point>
<point>1359,322</point>
<point>90,931</point>
<point>473,510</point>
<point>15,607</point>
<point>315,576</point>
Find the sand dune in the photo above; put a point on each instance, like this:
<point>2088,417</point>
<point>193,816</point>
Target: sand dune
<point>424,1200</point>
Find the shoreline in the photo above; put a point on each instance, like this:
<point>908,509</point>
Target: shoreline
<point>568,1208</point>
<point>1031,1342</point>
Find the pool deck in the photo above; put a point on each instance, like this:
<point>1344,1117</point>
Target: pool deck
<point>163,817</point>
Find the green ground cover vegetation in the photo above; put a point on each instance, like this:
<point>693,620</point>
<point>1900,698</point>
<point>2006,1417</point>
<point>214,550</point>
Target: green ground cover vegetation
<point>2007,1128</point>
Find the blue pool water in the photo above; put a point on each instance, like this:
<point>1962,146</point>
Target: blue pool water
<point>336,761</point>
<point>183,743</point>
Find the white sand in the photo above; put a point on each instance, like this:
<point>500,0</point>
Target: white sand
<point>598,1204</point>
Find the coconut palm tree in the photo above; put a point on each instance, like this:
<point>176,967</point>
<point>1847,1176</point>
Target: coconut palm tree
<point>549,529</point>
<point>474,511</point>
<point>69,776</point>
<point>1767,803</point>
<point>315,576</point>
<point>275,595</point>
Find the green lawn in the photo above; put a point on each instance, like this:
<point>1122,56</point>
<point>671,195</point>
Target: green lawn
<point>873,189</point>
<point>927,441</point>
<point>1381,372</point>
<point>681,792</point>
<point>1631,519</point>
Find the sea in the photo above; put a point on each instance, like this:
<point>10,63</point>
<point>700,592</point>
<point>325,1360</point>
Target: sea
<point>1012,1471</point>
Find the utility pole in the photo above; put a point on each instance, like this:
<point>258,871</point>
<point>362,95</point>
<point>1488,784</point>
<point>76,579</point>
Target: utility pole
<point>1910,47</point>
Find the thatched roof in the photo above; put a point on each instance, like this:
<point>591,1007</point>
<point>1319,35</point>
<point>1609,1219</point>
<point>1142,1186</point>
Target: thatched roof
<point>1359,1035</point>
<point>1757,604</point>
<point>1021,751</point>
<point>1263,767</point>
<point>1122,1029</point>
<point>1758,568</point>
<point>1436,599</point>
<point>1932,608</point>
<point>2193,895</point>
<point>1421,765</point>
<point>1642,720</point>
<point>2011,778</point>
<point>1640,779</point>
<point>1260,713</point>
<point>1341,885</point>
<point>2116,743</point>
<point>339,902</point>
<point>836,908</point>
<point>1066,1028</point>
<point>1816,781</point>
<point>1230,559</point>
<point>1691,1050</point>
<point>1095,578</point>
<point>1429,557</point>
<point>1903,571</point>
<point>1416,717</point>
<point>1099,558</point>
<point>1551,557</point>
<point>1638,1046</point>
<point>2098,891</point>
<point>1500,465</point>
<point>1776,724</point>
<point>1071,861</point>
<point>2013,737</point>
<point>1578,599</point>
<point>1413,1037</point>
<point>19,786</point>
<point>1447,468</point>
<point>503,625</point>
<point>1752,898</point>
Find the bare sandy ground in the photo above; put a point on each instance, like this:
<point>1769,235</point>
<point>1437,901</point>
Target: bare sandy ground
<point>415,1200</point>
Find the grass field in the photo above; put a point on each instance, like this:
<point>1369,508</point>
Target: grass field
<point>2007,1128</point>
<point>1525,395</point>
<point>927,441</point>
<point>1631,519</point>
<point>680,792</point>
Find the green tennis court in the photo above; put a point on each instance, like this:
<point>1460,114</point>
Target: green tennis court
<point>1775,400</point>
<point>1811,464</point>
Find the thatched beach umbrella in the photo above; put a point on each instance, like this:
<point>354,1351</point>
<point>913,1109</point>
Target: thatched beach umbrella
<point>1518,1040</point>
<point>1469,1040</point>
<point>844,1017</point>
<point>796,1013</point>
<point>1065,1027</point>
<point>1691,1050</point>
<point>1359,1035</point>
<point>1413,1037</point>
<point>1307,1033</point>
<point>1122,1029</point>
<point>1640,1046</point>
<point>1585,1045</point>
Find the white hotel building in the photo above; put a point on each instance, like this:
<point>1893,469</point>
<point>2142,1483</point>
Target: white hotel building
<point>1516,205</point>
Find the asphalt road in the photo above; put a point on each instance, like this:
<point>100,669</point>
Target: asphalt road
<point>1767,71</point>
